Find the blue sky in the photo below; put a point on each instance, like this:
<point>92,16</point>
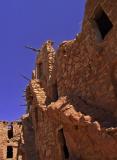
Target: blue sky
<point>30,22</point>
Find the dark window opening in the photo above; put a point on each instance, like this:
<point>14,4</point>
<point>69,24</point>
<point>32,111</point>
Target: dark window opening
<point>103,23</point>
<point>63,145</point>
<point>55,92</point>
<point>9,152</point>
<point>10,131</point>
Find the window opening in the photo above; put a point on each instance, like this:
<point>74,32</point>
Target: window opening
<point>103,22</point>
<point>9,152</point>
<point>10,131</point>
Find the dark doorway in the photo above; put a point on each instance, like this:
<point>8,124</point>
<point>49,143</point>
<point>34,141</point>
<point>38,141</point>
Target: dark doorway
<point>103,23</point>
<point>63,146</point>
<point>10,131</point>
<point>9,152</point>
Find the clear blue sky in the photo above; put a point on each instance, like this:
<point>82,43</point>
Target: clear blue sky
<point>30,22</point>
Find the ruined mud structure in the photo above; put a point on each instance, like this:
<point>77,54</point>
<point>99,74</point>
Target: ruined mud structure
<point>10,135</point>
<point>72,97</point>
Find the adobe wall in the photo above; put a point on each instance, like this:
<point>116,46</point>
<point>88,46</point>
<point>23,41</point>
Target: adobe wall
<point>20,137</point>
<point>72,95</point>
<point>27,144</point>
<point>86,66</point>
<point>84,138</point>
<point>5,141</point>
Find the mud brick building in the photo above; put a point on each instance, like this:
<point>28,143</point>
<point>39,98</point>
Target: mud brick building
<point>10,135</point>
<point>72,97</point>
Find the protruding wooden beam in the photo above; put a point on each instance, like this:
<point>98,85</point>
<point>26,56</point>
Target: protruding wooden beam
<point>33,49</point>
<point>23,76</point>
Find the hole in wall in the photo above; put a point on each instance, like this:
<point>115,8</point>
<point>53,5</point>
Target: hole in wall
<point>9,152</point>
<point>103,22</point>
<point>10,131</point>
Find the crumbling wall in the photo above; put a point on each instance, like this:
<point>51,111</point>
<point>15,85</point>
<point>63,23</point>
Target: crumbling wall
<point>45,139</point>
<point>72,96</point>
<point>45,67</point>
<point>84,138</point>
<point>27,145</point>
<point>9,138</point>
<point>87,65</point>
<point>3,135</point>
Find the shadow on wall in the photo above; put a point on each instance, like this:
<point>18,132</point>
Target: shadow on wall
<point>63,146</point>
